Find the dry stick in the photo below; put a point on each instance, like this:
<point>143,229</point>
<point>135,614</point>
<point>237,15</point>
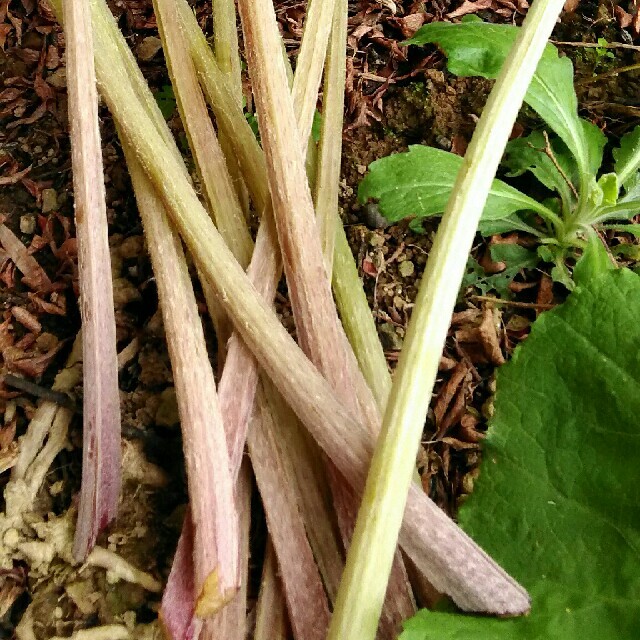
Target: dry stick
<point>317,323</point>
<point>309,610</point>
<point>214,515</point>
<point>271,623</point>
<point>101,456</point>
<point>428,535</point>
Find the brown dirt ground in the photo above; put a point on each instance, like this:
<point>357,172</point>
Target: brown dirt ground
<point>394,100</point>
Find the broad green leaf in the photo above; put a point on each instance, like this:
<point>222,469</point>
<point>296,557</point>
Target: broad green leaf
<point>419,182</point>
<point>480,49</point>
<point>528,154</point>
<point>556,502</point>
<point>627,157</point>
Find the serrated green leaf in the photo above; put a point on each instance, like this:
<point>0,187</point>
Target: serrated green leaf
<point>528,154</point>
<point>480,49</point>
<point>419,182</point>
<point>627,158</point>
<point>556,502</point>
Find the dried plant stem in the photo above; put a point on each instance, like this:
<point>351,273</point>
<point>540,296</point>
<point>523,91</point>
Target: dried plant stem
<point>271,621</point>
<point>428,536</point>
<point>101,457</point>
<point>214,516</point>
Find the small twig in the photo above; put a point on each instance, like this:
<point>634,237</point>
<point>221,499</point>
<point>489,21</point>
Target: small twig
<point>60,398</point>
<point>548,151</point>
<point>596,45</point>
<point>513,303</point>
<point>609,74</point>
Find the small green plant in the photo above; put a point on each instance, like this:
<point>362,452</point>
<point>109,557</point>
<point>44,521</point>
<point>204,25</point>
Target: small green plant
<point>603,54</point>
<point>166,100</point>
<point>566,156</point>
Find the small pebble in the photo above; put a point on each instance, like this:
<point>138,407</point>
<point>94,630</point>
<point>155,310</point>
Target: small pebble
<point>406,268</point>
<point>28,224</point>
<point>49,200</point>
<point>148,48</point>
<point>373,218</point>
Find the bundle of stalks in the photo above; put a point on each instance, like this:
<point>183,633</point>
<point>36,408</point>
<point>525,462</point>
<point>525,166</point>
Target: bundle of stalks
<point>308,414</point>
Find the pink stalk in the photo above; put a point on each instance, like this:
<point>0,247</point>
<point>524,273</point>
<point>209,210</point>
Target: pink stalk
<point>214,517</point>
<point>445,554</point>
<point>101,456</point>
<point>296,560</point>
<point>271,623</point>
<point>305,595</point>
<point>318,326</point>
<point>231,621</point>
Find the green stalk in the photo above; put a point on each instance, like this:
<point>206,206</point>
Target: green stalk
<point>217,184</point>
<point>310,63</point>
<point>330,147</point>
<point>447,556</point>
<point>227,54</point>
<point>364,583</point>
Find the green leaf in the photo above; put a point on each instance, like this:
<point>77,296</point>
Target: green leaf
<point>419,183</point>
<point>513,255</point>
<point>316,126</point>
<point>480,49</point>
<point>166,100</point>
<point>476,276</point>
<point>633,229</point>
<point>610,187</point>
<point>593,262</point>
<point>627,158</point>
<point>556,502</point>
<point>528,154</point>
